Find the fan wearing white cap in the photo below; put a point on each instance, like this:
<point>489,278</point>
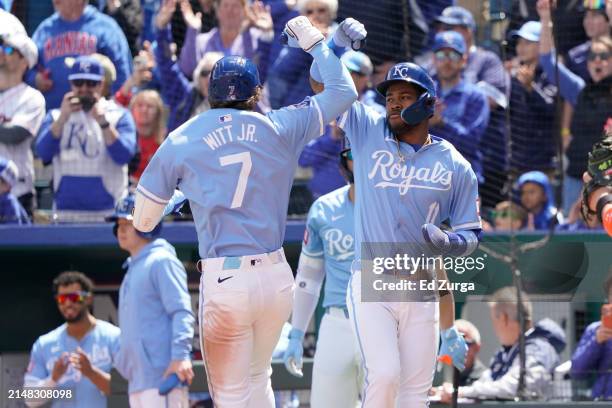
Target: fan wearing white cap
<point>11,212</point>
<point>22,109</point>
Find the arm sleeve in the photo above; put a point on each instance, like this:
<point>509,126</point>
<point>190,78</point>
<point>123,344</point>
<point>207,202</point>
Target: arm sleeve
<point>170,279</point>
<point>46,145</point>
<point>174,85</point>
<point>570,84</point>
<point>305,121</point>
<point>187,59</point>
<point>123,149</point>
<point>587,354</point>
<point>464,207</point>
<point>37,374</point>
<point>310,273</point>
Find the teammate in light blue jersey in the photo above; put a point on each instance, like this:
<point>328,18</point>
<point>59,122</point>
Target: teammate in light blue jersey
<point>327,253</point>
<point>236,167</point>
<point>408,183</point>
<point>74,360</point>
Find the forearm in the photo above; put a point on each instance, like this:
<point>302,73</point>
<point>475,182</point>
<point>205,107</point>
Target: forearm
<point>100,379</point>
<point>309,280</point>
<point>31,382</point>
<point>182,333</point>
<point>447,304</point>
<point>13,135</point>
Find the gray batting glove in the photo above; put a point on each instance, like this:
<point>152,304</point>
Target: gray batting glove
<point>350,33</point>
<point>294,352</point>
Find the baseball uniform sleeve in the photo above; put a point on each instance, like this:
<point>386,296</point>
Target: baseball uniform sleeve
<point>306,120</point>
<point>161,175</point>
<point>37,368</point>
<point>46,145</point>
<point>356,123</point>
<point>464,211</point>
<point>170,279</point>
<point>31,114</point>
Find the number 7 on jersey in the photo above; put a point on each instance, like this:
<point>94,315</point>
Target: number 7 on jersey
<point>244,159</point>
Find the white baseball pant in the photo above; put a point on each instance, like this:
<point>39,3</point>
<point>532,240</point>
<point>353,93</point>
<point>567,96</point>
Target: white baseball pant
<point>150,398</point>
<point>337,375</point>
<point>398,343</point>
<point>244,302</point>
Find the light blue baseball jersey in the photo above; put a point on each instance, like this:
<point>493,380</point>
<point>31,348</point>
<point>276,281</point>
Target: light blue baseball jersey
<point>101,345</point>
<point>329,236</point>
<point>394,197</point>
<point>236,167</point>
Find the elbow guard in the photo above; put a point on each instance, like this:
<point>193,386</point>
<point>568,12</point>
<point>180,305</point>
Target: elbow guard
<point>148,210</point>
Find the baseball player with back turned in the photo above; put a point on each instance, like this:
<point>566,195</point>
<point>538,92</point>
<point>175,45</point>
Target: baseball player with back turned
<point>235,167</point>
<point>408,182</point>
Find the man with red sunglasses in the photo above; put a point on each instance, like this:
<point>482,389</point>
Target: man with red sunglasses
<point>71,364</point>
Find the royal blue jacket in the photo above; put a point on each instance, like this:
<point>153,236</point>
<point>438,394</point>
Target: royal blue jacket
<point>11,211</point>
<point>155,316</point>
<point>546,215</point>
<point>592,358</point>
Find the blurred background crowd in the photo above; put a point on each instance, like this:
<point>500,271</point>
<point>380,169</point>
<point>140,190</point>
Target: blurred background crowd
<point>523,93</point>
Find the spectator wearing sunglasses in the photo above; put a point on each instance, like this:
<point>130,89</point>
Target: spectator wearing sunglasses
<point>591,100</point>
<point>22,109</point>
<point>462,110</point>
<point>89,140</point>
<point>509,216</point>
<point>76,357</point>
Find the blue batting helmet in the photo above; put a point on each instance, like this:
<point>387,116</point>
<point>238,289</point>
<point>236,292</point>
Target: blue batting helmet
<point>125,209</point>
<point>233,79</point>
<point>423,108</point>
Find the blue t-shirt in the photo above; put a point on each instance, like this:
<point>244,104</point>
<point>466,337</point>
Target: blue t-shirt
<point>329,235</point>
<point>101,344</point>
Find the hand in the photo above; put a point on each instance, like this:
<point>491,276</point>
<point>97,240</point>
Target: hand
<point>351,33</point>
<point>294,352</point>
<point>192,20</point>
<point>70,103</point>
<point>603,334</point>
<point>183,370</point>
<point>60,367</point>
<point>43,81</point>
<point>80,361</point>
<point>144,63</point>
<point>300,33</point>
<point>164,15</point>
<point>113,5</point>
<point>525,75</point>
<point>544,10</point>
<point>259,16</point>
<point>97,111</point>
<point>453,348</point>
<point>446,393</point>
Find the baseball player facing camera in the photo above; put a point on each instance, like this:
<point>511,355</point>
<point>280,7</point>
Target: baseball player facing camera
<point>597,190</point>
<point>327,254</point>
<point>236,166</point>
<point>408,182</point>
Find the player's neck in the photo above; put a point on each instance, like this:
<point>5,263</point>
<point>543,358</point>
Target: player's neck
<point>228,35</point>
<point>79,329</point>
<point>9,79</point>
<point>415,135</point>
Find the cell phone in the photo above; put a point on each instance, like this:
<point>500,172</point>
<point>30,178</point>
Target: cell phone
<point>606,316</point>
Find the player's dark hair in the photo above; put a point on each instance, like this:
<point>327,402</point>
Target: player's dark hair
<point>249,104</point>
<point>69,277</point>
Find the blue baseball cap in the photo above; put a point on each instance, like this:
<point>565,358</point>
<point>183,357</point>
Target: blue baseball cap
<point>86,67</point>
<point>530,31</point>
<point>449,39</point>
<point>455,15</point>
<point>356,61</point>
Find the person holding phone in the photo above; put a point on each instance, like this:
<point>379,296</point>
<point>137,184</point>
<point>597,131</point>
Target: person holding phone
<point>594,352</point>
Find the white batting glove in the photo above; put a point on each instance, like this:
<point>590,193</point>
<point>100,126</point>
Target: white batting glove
<point>301,33</point>
<point>350,33</point>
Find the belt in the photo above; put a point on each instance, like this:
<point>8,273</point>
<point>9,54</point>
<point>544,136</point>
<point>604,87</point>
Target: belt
<point>337,311</point>
<point>243,262</point>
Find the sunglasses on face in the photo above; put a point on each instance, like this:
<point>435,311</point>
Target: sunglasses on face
<point>80,82</point>
<point>74,297</point>
<point>7,49</point>
<point>504,214</point>
<point>447,55</point>
<point>319,10</point>
<point>601,55</point>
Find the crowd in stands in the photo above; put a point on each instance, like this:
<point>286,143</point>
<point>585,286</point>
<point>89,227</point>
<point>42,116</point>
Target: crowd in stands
<point>99,85</point>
